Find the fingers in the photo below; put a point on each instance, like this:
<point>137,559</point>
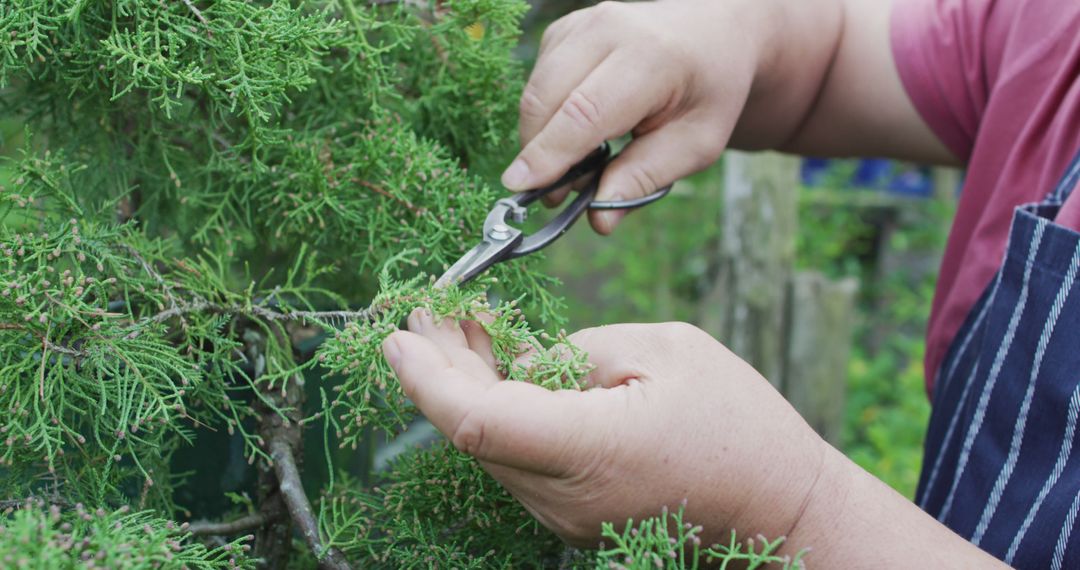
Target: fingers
<point>565,60</point>
<point>612,99</point>
<point>445,333</point>
<point>473,358</point>
<point>427,374</point>
<point>515,424</point>
<point>657,159</point>
<point>479,341</point>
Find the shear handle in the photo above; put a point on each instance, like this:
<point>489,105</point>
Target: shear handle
<point>630,204</point>
<point>594,162</point>
<point>558,226</point>
<point>592,166</point>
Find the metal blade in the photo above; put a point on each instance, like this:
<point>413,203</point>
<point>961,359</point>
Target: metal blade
<point>472,263</point>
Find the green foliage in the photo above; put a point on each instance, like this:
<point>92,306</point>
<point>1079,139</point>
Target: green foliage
<point>33,536</point>
<point>834,236</point>
<point>201,187</point>
<point>94,376</point>
<point>371,395</point>
<point>436,506</point>
<point>667,541</point>
<point>887,416</point>
<point>182,163</point>
<point>247,125</point>
<point>886,409</point>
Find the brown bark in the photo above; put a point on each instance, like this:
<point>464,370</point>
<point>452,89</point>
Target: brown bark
<point>281,488</point>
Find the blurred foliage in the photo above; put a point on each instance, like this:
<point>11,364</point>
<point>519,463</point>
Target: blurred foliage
<point>652,268</point>
<point>887,408</point>
<point>893,245</point>
<point>834,237</point>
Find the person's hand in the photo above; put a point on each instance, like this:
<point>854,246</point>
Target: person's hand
<point>689,78</point>
<point>670,415</point>
<point>676,74</point>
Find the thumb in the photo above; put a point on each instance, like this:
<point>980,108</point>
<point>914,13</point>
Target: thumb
<point>430,379</point>
<point>652,161</point>
<point>509,423</point>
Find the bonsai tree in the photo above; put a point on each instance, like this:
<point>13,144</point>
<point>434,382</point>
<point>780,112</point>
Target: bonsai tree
<point>212,214</point>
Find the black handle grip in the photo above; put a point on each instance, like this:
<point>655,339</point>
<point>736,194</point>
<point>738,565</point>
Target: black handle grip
<point>630,204</point>
<point>593,165</point>
<point>562,221</point>
<point>595,162</point>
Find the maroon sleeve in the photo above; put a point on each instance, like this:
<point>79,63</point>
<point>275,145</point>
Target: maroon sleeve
<point>940,52</point>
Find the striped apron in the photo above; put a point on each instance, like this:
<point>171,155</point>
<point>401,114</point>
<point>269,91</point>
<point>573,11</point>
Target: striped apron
<point>1002,461</point>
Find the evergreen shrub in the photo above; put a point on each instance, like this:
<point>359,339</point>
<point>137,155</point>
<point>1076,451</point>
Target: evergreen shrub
<point>200,190</point>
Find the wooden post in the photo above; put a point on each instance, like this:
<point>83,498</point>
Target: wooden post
<point>744,308</point>
<point>946,182</point>
<point>820,324</point>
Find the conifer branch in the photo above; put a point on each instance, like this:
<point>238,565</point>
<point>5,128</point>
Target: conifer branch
<point>33,501</point>
<point>166,289</point>
<point>259,311</point>
<point>198,14</point>
<point>47,344</point>
<point>179,307</point>
<point>44,361</point>
<point>238,526</point>
<point>292,489</point>
<point>280,426</point>
<point>12,504</point>
<point>121,334</point>
<point>383,192</point>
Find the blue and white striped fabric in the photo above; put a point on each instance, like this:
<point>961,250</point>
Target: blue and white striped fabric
<point>1002,464</point>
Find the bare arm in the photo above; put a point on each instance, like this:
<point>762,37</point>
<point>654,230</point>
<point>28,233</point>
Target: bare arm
<point>846,86</point>
<point>690,77</point>
<point>853,520</point>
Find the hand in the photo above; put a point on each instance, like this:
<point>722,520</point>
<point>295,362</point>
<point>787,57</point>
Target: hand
<point>688,77</point>
<point>671,415</point>
<point>663,71</point>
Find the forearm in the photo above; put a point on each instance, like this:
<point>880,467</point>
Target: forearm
<point>827,84</point>
<point>792,45</point>
<point>853,520</point>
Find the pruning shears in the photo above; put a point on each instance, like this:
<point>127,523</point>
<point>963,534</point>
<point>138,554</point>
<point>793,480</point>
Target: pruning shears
<point>503,242</point>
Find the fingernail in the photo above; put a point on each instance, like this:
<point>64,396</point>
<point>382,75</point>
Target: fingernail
<point>611,218</point>
<point>392,352</point>
<point>426,316</point>
<point>415,321</point>
<point>516,176</point>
